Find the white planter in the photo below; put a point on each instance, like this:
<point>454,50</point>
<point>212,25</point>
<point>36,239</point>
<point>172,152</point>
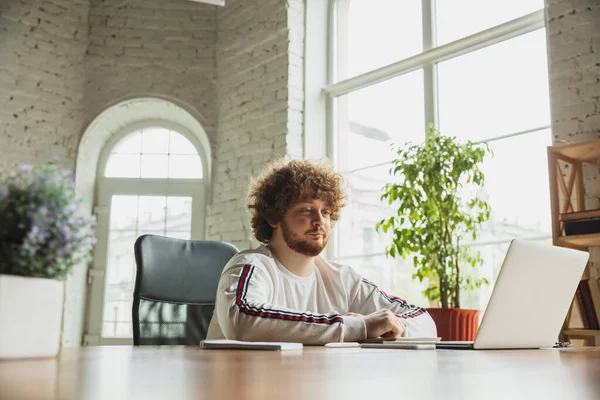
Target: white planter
<point>30,316</point>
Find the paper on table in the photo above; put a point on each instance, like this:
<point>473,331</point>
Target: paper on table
<point>399,345</point>
<point>226,344</point>
<point>342,344</point>
<point>414,340</point>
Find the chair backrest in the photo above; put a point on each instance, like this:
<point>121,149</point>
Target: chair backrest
<point>175,288</point>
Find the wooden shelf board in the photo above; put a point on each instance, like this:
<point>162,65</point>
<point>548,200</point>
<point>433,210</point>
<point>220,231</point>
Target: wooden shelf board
<point>584,151</point>
<point>573,216</point>
<point>582,332</point>
<point>592,239</point>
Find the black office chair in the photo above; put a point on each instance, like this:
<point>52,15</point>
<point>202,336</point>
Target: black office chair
<point>175,288</point>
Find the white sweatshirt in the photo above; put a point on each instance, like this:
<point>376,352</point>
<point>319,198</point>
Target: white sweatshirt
<point>258,299</point>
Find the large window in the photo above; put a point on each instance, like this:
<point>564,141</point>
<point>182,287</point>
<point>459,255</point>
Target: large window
<point>478,70</point>
<point>151,181</point>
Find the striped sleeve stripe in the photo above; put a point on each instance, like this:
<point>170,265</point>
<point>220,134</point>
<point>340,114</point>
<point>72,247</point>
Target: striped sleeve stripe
<point>262,312</point>
<point>389,298</point>
<point>412,313</point>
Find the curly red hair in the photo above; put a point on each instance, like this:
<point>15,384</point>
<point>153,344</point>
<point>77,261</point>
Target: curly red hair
<point>282,185</point>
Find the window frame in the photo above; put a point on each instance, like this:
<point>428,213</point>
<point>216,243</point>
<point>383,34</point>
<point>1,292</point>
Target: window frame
<point>427,60</point>
<point>106,187</point>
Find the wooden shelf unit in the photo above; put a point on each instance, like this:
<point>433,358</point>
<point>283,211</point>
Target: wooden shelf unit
<point>568,204</point>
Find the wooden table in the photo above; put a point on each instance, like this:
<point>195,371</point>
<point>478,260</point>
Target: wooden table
<point>316,372</point>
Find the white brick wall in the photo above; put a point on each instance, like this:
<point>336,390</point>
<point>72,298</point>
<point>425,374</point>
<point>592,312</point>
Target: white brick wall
<point>295,99</point>
<point>152,47</point>
<point>42,45</point>
<point>573,29</point>
<point>260,54</point>
<point>573,33</point>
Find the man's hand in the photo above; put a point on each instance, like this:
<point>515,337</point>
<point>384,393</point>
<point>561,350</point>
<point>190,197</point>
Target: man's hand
<point>383,323</point>
<point>353,314</point>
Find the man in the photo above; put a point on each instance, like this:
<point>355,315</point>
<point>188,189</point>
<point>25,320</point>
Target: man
<point>284,290</point>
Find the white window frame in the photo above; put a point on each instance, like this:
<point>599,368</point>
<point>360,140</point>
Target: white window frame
<point>427,61</point>
<point>106,187</point>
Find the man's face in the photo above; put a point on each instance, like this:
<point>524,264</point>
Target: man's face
<point>306,226</point>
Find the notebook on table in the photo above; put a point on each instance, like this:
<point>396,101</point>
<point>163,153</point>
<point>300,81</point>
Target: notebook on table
<point>531,298</point>
<point>226,344</point>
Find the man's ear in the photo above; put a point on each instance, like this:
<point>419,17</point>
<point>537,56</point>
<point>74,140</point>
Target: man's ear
<point>273,224</point>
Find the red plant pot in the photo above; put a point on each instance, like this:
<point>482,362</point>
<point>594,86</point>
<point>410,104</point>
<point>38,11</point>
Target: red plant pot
<point>455,323</point>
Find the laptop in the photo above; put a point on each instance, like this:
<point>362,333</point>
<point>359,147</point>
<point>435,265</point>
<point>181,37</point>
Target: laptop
<point>531,298</point>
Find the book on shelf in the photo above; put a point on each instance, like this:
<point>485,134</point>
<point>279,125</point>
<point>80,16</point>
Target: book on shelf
<point>582,227</point>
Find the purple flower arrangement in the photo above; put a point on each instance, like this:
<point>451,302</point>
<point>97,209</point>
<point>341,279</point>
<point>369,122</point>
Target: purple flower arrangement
<point>43,232</point>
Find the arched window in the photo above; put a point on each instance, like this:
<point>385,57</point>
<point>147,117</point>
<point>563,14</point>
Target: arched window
<point>151,179</point>
<point>154,152</point>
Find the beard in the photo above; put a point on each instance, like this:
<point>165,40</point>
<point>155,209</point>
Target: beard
<point>301,245</point>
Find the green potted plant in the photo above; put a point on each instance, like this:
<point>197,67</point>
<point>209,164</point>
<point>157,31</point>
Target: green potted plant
<point>43,235</point>
<point>436,216</point>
